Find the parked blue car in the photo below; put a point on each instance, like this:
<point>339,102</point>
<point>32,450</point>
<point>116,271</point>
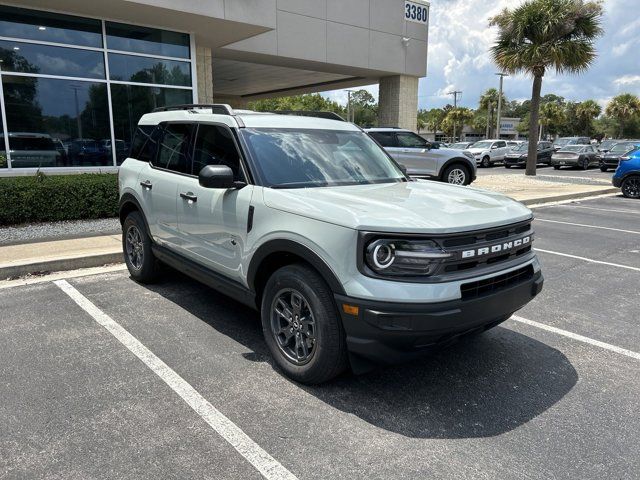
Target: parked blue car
<point>627,175</point>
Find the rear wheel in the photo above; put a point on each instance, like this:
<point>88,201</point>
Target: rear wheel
<point>301,325</point>
<point>556,167</point>
<point>585,164</point>
<point>457,174</point>
<point>136,245</point>
<point>506,165</point>
<point>631,187</point>
<point>486,162</point>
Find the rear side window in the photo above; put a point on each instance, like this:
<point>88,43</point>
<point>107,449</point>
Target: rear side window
<point>410,140</point>
<point>386,139</point>
<point>215,146</point>
<point>174,152</point>
<point>501,144</point>
<point>144,143</point>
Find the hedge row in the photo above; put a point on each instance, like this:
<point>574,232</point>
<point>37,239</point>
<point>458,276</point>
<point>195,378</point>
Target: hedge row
<point>44,198</point>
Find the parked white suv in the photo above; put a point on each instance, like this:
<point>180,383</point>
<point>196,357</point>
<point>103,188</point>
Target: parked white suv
<point>424,159</point>
<point>309,221</point>
<point>488,152</point>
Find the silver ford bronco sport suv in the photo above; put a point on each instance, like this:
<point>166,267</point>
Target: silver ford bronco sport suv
<point>312,223</point>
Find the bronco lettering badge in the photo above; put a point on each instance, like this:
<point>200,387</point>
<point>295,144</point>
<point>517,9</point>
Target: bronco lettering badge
<point>500,247</point>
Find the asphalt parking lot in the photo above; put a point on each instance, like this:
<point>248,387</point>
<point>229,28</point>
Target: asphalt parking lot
<point>105,378</point>
<point>593,172</point>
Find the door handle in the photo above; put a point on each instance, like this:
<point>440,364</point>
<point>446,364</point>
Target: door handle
<point>146,184</point>
<point>189,196</point>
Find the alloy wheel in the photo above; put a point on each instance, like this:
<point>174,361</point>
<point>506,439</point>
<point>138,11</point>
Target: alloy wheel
<point>293,326</point>
<point>457,176</point>
<point>631,187</point>
<point>134,247</point>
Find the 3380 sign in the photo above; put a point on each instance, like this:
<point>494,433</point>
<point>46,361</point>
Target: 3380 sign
<point>416,12</point>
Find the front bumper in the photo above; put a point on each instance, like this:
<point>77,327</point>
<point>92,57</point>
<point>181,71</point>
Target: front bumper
<point>515,161</point>
<point>389,332</point>
<point>610,162</point>
<point>616,181</point>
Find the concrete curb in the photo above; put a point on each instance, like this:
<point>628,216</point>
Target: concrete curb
<point>60,264</point>
<point>569,196</point>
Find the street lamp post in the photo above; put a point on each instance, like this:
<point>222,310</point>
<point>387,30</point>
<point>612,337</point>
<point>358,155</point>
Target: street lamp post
<point>501,75</point>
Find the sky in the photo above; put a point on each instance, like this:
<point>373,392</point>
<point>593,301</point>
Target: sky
<point>459,58</point>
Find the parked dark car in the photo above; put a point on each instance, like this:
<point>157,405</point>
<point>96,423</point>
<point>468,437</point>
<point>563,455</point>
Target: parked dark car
<point>89,153</point>
<point>581,156</point>
<point>611,159</point>
<point>518,154</point>
<point>606,145</point>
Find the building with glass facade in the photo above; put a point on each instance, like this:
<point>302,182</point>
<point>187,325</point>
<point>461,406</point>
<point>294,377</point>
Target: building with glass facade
<point>75,76</point>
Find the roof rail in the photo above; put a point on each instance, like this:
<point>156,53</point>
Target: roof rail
<point>311,113</point>
<point>217,108</point>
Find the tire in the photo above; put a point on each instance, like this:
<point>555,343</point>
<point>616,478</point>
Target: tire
<point>556,167</point>
<point>300,292</point>
<point>507,166</point>
<point>603,169</point>
<point>585,164</point>
<point>486,162</point>
<point>456,174</point>
<point>631,187</point>
<point>136,247</point>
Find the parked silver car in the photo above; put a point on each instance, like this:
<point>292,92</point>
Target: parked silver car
<point>422,159</point>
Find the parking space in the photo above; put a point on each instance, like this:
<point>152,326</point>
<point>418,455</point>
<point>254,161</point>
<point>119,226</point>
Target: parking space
<point>595,173</point>
<point>516,402</point>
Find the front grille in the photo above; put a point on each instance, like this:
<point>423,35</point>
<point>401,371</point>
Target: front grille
<point>491,285</point>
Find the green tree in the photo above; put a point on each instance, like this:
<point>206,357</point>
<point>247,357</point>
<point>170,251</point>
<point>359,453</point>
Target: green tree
<point>456,117</point>
<point>489,105</point>
<point>540,35</point>
<point>434,118</point>
<point>587,112</point>
<point>552,117</point>
<point>624,109</point>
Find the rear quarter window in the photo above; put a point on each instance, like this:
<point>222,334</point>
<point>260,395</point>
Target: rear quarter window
<point>144,144</point>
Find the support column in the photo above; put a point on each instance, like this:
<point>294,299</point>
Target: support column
<point>204,73</point>
<point>398,102</point>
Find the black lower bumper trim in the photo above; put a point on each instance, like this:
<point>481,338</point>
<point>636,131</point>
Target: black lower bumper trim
<point>388,333</point>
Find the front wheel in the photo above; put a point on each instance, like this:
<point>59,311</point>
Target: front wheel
<point>457,175</point>
<point>507,165</point>
<point>585,164</point>
<point>136,245</point>
<point>631,187</point>
<point>301,325</point>
<point>486,162</point>
<point>556,167</point>
<point>603,169</point>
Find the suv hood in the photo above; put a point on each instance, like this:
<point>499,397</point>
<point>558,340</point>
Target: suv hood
<point>420,206</point>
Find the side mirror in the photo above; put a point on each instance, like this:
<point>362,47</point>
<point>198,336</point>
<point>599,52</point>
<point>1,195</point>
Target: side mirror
<point>218,176</point>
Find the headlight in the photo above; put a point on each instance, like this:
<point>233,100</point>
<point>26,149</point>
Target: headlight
<point>625,158</point>
<point>468,154</point>
<point>404,257</point>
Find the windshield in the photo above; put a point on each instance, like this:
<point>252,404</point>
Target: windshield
<point>32,143</point>
<point>573,148</point>
<point>481,145</point>
<point>561,142</point>
<point>523,147</point>
<point>298,158</point>
<point>622,147</point>
<point>606,144</point>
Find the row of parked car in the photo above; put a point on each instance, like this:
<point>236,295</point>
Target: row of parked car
<point>39,150</point>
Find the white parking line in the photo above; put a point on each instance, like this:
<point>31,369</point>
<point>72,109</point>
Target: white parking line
<point>635,212</point>
<point>270,468</point>
<point>579,338</point>
<point>636,269</point>
<point>588,226</point>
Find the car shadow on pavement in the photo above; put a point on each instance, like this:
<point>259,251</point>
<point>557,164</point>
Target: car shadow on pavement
<point>479,387</point>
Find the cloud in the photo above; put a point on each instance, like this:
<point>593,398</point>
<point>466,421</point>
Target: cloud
<point>626,80</point>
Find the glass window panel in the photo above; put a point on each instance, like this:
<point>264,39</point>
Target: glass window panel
<point>69,62</point>
<point>215,146</point>
<point>49,27</point>
<point>130,38</point>
<point>130,68</point>
<point>145,143</point>
<point>174,149</point>
<point>410,140</point>
<point>130,102</point>
<point>54,122</point>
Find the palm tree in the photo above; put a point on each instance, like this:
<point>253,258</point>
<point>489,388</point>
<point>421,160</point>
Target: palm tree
<point>623,108</point>
<point>542,35</point>
<point>434,119</point>
<point>489,101</point>
<point>552,116</point>
<point>587,112</point>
